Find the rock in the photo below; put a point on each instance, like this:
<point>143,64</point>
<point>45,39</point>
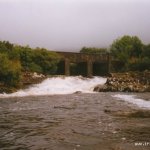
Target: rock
<point>7,89</point>
<point>32,78</point>
<point>36,75</point>
<point>77,92</point>
<point>126,82</point>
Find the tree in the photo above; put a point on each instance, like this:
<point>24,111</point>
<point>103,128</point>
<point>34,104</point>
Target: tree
<point>46,60</point>
<point>127,48</point>
<point>127,45</point>
<point>5,46</point>
<point>26,57</point>
<point>38,60</point>
<point>10,71</point>
<point>146,51</point>
<point>93,50</point>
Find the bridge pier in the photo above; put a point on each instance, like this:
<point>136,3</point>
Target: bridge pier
<point>67,67</point>
<point>89,68</point>
<point>108,63</point>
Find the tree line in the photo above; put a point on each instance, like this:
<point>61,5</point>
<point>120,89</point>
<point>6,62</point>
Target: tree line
<point>16,59</point>
<point>128,51</point>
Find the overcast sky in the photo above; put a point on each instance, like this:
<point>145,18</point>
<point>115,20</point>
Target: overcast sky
<point>71,24</point>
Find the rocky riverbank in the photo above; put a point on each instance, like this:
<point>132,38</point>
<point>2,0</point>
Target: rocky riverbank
<point>28,78</point>
<point>126,82</point>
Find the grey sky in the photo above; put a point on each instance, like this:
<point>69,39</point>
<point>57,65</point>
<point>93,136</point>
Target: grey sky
<point>71,24</point>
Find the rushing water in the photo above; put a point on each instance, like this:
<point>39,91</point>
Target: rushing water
<point>60,85</point>
<point>51,116</point>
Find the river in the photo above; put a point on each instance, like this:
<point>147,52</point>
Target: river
<point>54,115</point>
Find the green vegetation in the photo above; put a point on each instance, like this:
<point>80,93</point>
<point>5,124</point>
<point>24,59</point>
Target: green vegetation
<point>10,71</point>
<point>128,52</point>
<point>93,50</point>
<point>132,54</point>
<point>38,60</point>
<point>18,59</point>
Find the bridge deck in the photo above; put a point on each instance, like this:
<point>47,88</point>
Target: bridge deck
<point>83,57</point>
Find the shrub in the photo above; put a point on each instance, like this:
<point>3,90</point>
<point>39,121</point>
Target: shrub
<point>141,65</point>
<point>10,71</point>
<point>46,60</point>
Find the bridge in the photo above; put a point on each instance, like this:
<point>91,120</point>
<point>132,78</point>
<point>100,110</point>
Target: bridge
<point>90,63</point>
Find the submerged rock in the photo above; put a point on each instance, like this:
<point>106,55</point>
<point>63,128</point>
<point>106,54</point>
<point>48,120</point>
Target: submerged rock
<point>126,82</point>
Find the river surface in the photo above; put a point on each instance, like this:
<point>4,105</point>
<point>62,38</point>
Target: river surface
<point>78,121</point>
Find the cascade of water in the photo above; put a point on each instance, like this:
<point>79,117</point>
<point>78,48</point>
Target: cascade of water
<point>60,85</point>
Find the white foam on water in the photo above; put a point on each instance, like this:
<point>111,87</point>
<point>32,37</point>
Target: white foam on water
<point>59,85</point>
<point>132,99</point>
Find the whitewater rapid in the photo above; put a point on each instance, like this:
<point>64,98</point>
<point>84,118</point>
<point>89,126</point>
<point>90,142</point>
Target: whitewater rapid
<point>60,85</point>
<point>70,85</point>
<point>145,104</point>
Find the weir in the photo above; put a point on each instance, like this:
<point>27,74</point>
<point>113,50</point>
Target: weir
<point>102,59</point>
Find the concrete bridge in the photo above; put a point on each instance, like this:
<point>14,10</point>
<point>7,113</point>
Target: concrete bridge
<point>92,62</point>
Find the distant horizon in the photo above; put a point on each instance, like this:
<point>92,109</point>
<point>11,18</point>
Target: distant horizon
<point>69,25</point>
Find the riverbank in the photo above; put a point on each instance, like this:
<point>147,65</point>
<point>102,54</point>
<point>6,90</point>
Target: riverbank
<point>27,79</point>
<point>126,82</point>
